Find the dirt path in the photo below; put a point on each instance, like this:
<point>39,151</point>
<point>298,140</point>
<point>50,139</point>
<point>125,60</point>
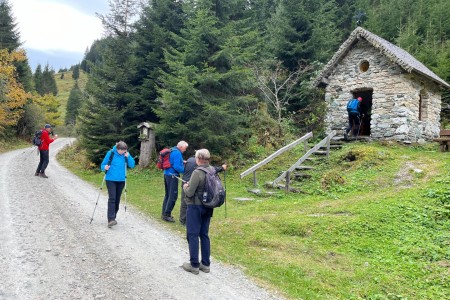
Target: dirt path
<point>48,249</point>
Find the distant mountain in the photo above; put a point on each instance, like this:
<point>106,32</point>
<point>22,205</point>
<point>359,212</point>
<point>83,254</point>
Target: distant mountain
<point>56,60</point>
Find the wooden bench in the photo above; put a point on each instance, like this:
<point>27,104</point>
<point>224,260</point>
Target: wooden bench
<point>443,139</point>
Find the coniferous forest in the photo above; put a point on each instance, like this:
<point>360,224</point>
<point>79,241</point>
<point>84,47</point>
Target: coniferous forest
<point>229,75</point>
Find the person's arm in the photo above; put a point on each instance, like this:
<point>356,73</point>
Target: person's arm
<point>178,163</point>
<point>221,168</point>
<point>190,187</point>
<point>130,160</point>
<point>105,161</point>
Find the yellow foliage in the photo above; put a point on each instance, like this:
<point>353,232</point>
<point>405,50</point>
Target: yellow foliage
<point>49,104</point>
<point>12,96</point>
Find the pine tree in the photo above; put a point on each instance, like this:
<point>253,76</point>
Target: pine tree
<point>73,104</point>
<point>76,72</point>
<point>207,84</point>
<point>109,88</point>
<point>9,35</point>
<point>44,81</point>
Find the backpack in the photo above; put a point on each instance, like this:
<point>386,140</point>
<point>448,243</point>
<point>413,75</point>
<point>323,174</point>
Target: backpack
<point>37,138</point>
<point>353,106</point>
<point>214,193</point>
<point>111,157</point>
<point>163,161</point>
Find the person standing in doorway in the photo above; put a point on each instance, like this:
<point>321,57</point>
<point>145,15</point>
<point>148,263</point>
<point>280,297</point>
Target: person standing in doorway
<point>114,164</point>
<point>171,182</point>
<point>44,148</point>
<point>354,117</point>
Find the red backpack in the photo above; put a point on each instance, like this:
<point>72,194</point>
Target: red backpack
<point>163,161</point>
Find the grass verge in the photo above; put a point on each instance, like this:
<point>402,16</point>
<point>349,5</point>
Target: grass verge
<point>373,222</point>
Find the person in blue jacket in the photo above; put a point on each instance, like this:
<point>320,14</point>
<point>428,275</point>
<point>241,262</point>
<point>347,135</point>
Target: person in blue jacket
<point>114,164</point>
<point>171,182</point>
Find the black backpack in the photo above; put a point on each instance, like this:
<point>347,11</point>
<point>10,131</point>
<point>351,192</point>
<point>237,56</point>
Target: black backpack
<point>37,138</point>
<point>214,193</point>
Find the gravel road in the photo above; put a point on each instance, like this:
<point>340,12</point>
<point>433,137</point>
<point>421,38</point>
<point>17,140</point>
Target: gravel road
<point>48,249</point>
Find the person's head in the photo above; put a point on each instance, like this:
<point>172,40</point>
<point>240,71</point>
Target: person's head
<point>359,99</point>
<point>48,127</point>
<point>182,145</point>
<point>121,147</point>
<point>202,156</point>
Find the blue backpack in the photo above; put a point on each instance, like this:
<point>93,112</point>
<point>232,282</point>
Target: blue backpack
<point>353,106</point>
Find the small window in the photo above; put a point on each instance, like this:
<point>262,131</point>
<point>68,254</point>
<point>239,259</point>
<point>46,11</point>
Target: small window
<point>364,66</point>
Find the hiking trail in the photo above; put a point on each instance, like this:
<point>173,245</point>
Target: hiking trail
<point>48,249</point>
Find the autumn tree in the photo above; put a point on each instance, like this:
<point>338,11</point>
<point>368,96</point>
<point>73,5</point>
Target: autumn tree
<point>12,96</point>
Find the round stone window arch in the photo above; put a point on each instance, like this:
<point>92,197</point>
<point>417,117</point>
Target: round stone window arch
<point>364,66</point>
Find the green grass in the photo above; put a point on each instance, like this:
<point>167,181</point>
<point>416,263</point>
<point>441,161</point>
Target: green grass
<point>371,223</point>
<point>64,86</point>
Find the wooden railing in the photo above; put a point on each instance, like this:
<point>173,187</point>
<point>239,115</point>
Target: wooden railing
<point>272,156</point>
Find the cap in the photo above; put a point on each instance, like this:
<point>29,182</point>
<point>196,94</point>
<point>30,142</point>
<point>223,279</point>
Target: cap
<point>359,99</point>
<point>48,126</point>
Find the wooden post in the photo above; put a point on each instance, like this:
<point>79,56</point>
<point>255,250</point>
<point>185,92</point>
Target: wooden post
<point>288,180</point>
<point>328,147</point>
<point>147,138</point>
<point>255,183</point>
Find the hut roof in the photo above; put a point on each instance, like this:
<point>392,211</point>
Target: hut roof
<point>394,53</point>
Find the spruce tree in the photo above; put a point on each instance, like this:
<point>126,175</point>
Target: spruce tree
<point>207,85</point>
<point>105,116</point>
<point>73,104</point>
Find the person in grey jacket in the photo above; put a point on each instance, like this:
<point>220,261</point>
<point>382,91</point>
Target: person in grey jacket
<point>198,217</point>
<point>114,164</point>
<point>189,167</point>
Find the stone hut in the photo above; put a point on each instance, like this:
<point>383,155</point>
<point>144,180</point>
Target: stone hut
<point>401,97</point>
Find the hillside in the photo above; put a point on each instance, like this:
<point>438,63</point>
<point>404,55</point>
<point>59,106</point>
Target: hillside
<point>64,86</point>
<point>373,222</point>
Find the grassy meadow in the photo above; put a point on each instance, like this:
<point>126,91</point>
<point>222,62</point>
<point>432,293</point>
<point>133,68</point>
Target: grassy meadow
<point>373,222</point>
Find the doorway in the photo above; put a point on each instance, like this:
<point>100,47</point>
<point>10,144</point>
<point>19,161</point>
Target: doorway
<point>366,109</point>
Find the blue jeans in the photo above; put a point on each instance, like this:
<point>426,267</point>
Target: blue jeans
<point>171,188</point>
<point>198,218</point>
<point>115,189</point>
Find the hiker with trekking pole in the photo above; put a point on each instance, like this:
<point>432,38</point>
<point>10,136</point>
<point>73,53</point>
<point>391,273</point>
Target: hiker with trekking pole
<point>189,167</point>
<point>115,163</point>
<point>354,117</point>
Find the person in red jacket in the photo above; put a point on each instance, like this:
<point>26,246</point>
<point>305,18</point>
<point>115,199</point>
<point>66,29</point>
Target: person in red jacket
<point>43,150</point>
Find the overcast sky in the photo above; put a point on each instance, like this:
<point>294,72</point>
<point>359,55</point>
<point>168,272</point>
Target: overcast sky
<point>58,30</point>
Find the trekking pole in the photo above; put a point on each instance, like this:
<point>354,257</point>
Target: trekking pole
<point>125,188</point>
<point>359,128</point>
<point>98,197</point>
<point>179,178</point>
<point>225,186</point>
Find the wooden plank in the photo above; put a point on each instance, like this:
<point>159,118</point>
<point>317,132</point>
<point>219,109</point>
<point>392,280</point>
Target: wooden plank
<point>305,156</point>
<point>277,153</point>
<point>445,132</point>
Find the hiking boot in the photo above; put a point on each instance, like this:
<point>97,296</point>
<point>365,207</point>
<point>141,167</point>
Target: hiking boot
<point>346,136</point>
<point>204,268</point>
<point>112,223</point>
<point>168,219</point>
<point>189,268</point>
<point>36,174</point>
<point>43,175</point>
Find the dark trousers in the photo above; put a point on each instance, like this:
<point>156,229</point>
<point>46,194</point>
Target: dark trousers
<point>198,218</point>
<point>115,189</point>
<point>183,207</point>
<point>43,161</point>
<point>171,188</point>
<point>353,119</point>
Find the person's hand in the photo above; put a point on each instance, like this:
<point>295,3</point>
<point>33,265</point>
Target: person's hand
<point>126,154</point>
<point>224,167</point>
<point>107,167</point>
<point>55,137</point>
<point>186,185</point>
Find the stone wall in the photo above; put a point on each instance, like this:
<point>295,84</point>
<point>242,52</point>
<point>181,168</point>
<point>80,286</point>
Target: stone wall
<point>396,97</point>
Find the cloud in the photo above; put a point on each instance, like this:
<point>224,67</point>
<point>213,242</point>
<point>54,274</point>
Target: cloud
<point>50,26</point>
